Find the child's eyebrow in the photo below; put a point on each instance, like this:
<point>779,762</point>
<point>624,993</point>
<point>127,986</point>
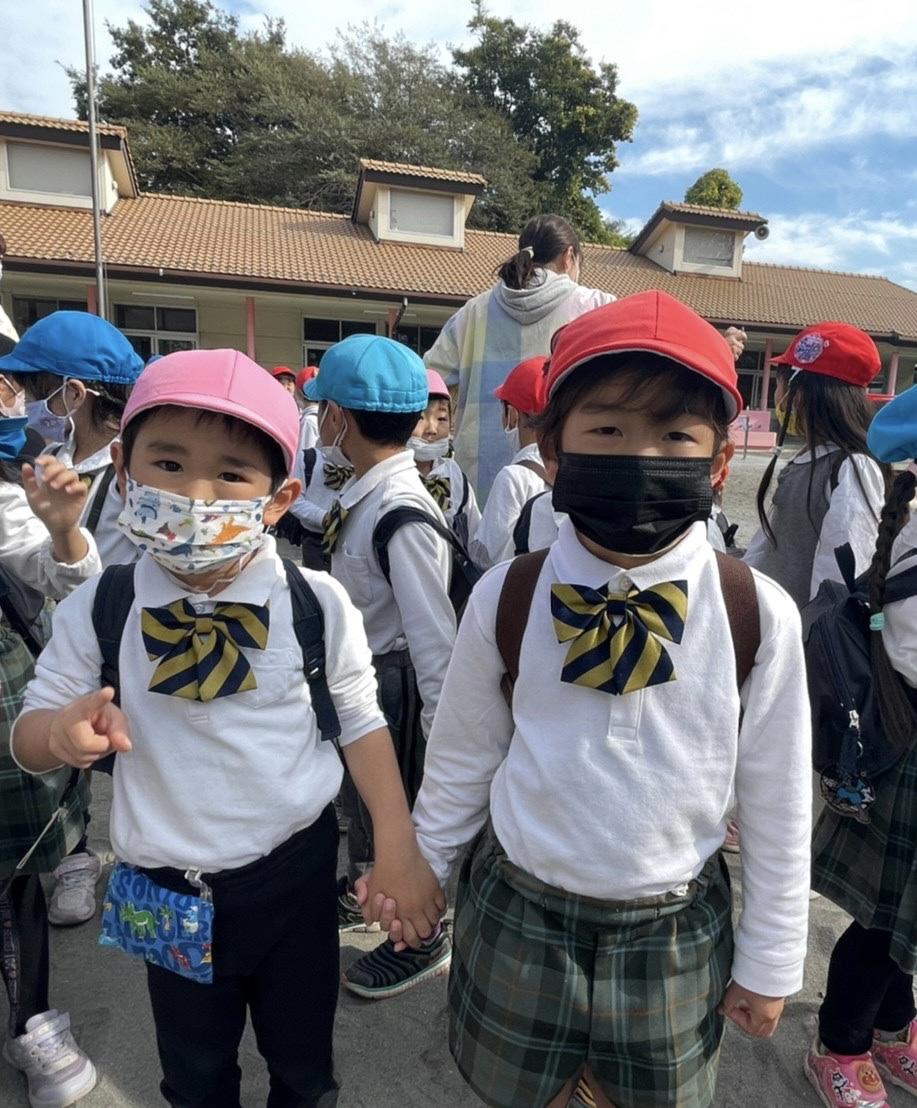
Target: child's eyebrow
<point>239,463</point>
<point>167,447</point>
<point>595,407</point>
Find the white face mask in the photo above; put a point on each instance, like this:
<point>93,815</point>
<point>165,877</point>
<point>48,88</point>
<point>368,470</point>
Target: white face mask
<point>428,451</point>
<point>15,410</point>
<point>512,433</point>
<point>333,453</point>
<point>191,536</point>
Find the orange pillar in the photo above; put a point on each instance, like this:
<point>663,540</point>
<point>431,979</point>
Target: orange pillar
<point>250,326</point>
<point>766,372</point>
<point>92,299</point>
<point>393,315</point>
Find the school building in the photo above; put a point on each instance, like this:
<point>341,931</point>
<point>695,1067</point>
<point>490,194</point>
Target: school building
<point>283,284</point>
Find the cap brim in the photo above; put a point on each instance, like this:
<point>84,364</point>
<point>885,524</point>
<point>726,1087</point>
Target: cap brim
<point>683,356</point>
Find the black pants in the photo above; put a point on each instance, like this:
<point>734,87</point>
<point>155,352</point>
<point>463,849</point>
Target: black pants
<point>401,705</point>
<point>24,950</point>
<point>866,991</point>
<point>275,954</point>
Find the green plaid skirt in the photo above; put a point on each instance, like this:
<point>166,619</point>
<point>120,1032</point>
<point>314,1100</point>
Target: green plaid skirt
<point>870,869</point>
<point>544,982</point>
<point>27,802</point>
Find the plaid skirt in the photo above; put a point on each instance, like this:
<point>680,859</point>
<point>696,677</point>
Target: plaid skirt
<point>544,982</point>
<point>27,802</point>
<point>870,869</point>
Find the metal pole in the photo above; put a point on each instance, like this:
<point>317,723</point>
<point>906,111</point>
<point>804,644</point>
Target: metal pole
<point>88,34</point>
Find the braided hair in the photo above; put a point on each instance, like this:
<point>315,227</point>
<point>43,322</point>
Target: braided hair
<point>894,705</point>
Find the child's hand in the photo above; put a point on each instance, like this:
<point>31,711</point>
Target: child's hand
<point>88,729</point>
<point>60,498</point>
<point>405,885</point>
<point>737,338</point>
<point>755,1014</point>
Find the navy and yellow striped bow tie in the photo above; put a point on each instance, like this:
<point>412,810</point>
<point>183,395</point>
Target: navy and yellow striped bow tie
<point>336,477</point>
<point>334,525</point>
<point>440,488</point>
<point>614,637</point>
<point>199,655</point>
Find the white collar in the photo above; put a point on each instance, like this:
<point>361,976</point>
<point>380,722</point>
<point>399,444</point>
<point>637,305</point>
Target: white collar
<point>353,493</point>
<point>95,462</point>
<point>529,453</point>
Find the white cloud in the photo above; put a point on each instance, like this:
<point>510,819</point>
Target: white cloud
<point>855,242</point>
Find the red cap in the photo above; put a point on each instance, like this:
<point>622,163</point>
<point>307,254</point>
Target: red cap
<point>524,389</point>
<point>834,350</point>
<point>281,371</point>
<point>651,322</point>
<point>304,376</point>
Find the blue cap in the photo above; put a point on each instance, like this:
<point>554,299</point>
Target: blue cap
<point>370,373</point>
<point>78,345</point>
<point>893,432</point>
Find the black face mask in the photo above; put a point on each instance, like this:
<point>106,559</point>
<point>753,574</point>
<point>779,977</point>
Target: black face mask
<point>632,504</point>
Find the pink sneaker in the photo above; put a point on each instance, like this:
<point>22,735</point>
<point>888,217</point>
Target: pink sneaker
<point>897,1061</point>
<point>845,1082</point>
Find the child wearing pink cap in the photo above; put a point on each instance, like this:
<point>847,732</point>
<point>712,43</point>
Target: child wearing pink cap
<point>441,474</point>
<point>522,397</point>
<point>222,816</point>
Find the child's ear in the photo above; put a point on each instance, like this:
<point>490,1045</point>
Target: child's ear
<point>281,500</point>
<point>117,457</point>
<point>549,458</point>
<point>721,462</point>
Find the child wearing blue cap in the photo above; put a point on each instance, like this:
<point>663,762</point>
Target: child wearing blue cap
<point>43,553</point>
<point>371,392</point>
<point>79,370</point>
<point>867,1025</point>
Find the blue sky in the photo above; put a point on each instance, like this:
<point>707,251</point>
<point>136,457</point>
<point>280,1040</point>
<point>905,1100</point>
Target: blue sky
<point>811,105</point>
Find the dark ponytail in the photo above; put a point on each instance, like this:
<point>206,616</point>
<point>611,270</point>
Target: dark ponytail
<point>894,705</point>
<point>544,238</point>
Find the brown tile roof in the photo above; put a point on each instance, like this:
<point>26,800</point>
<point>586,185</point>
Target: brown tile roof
<point>422,171</point>
<point>251,245</point>
<point>53,124</point>
<point>677,208</point>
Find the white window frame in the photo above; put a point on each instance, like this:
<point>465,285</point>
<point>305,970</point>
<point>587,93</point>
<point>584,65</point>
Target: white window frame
<point>380,220</point>
<point>52,199</point>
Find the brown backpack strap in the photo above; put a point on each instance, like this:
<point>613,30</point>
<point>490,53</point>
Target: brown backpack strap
<point>534,467</point>
<point>741,598</point>
<point>513,613</point>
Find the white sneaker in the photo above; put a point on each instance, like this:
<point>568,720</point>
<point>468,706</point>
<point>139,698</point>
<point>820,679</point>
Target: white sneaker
<point>74,897</point>
<point>58,1072</point>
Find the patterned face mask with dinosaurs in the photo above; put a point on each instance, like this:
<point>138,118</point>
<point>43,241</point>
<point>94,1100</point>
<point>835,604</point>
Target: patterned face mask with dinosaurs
<point>191,536</point>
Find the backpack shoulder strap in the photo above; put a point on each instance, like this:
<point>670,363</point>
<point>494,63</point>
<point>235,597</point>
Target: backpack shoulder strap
<point>465,487</point>
<point>309,456</point>
<point>396,519</point>
<point>741,598</point>
<point>513,613</point>
<point>98,499</point>
<point>523,529</point>
<point>110,609</point>
<point>534,467</point>
<point>309,628</point>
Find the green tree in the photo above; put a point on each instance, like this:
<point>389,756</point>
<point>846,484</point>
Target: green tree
<point>715,189</point>
<point>560,106</point>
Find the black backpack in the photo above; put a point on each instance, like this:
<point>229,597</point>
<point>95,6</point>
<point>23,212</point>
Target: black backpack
<point>523,528</point>
<point>112,604</point>
<point>22,607</point>
<point>465,573</point>
<point>849,746</point>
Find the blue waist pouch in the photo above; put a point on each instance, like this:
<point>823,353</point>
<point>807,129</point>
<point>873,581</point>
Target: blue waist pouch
<point>168,929</point>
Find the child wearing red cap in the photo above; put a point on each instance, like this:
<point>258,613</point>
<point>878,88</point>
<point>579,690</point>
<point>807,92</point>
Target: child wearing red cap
<point>831,492</point>
<point>522,397</point>
<point>308,419</point>
<point>209,689</point>
<point>439,471</point>
<point>593,932</point>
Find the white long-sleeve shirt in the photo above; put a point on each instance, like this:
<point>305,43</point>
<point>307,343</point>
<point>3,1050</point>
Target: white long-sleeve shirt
<point>851,516</point>
<point>25,548</point>
<point>900,632</point>
<point>459,489</point>
<point>414,610</point>
<point>621,797</point>
<point>316,499</point>
<point>223,783</point>
<point>512,487</point>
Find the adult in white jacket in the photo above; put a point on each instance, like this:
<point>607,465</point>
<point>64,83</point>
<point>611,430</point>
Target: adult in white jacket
<point>537,293</point>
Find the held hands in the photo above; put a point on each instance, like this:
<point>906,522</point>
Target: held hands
<point>755,1014</point>
<point>405,885</point>
<point>60,498</point>
<point>88,729</point>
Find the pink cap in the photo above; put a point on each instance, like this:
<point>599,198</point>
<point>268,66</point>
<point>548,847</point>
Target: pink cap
<point>223,381</point>
<point>436,386</point>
